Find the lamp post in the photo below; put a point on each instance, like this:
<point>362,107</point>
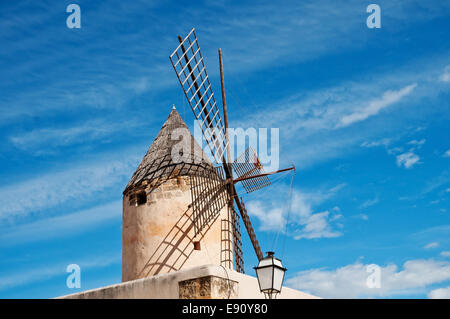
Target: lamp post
<point>270,274</point>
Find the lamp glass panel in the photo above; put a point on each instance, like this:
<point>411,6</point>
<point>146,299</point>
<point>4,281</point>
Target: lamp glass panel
<point>278,276</point>
<point>265,262</point>
<point>265,277</point>
<point>277,262</point>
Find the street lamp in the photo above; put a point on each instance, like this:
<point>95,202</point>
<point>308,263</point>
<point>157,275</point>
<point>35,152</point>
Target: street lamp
<point>270,274</point>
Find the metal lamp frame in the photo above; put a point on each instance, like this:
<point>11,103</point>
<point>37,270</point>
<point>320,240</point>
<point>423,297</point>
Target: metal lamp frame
<point>270,293</point>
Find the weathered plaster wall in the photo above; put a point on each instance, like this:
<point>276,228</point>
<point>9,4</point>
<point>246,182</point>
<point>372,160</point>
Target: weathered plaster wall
<point>157,237</point>
<point>166,286</point>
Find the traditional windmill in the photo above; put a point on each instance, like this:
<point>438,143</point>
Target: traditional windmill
<point>175,198</point>
<point>207,197</point>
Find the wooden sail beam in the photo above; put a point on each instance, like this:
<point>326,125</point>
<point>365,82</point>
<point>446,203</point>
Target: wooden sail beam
<point>189,66</point>
<point>226,166</point>
<point>243,178</point>
<point>229,173</point>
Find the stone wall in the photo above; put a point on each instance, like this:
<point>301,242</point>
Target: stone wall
<point>208,287</point>
<point>158,236</point>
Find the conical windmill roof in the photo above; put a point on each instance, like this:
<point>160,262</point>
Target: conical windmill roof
<point>158,162</point>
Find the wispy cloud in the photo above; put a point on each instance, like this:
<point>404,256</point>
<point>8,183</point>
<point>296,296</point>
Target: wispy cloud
<point>76,183</point>
<point>45,273</point>
<point>369,202</point>
<point>321,124</point>
<point>417,143</point>
<point>317,225</point>
<point>445,77</point>
<point>375,106</point>
<point>403,159</point>
<point>49,140</point>
<point>383,142</point>
<point>432,237</point>
<point>436,182</point>
<point>305,223</point>
<point>407,160</point>
<point>79,71</point>
<point>107,72</point>
<point>446,154</point>
<point>443,230</point>
<point>61,226</point>
<point>440,293</point>
<point>351,281</point>
<point>362,216</point>
<point>323,110</point>
<point>431,245</point>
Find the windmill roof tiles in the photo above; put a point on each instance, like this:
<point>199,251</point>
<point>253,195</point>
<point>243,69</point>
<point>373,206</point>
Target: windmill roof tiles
<point>159,162</point>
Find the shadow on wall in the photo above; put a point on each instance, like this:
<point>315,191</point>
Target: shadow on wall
<point>175,249</point>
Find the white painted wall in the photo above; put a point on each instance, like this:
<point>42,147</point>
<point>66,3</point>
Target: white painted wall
<point>165,286</point>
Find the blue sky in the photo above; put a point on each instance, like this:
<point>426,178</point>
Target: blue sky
<point>363,113</point>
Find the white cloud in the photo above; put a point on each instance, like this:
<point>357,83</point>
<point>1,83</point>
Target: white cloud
<point>76,183</point>
<point>46,140</point>
<point>445,77</point>
<point>445,253</point>
<point>442,230</point>
<point>351,281</point>
<point>310,122</point>
<point>441,293</point>
<point>307,224</point>
<point>395,150</point>
<point>375,106</point>
<point>447,153</point>
<point>369,203</point>
<point>60,226</point>
<point>362,216</point>
<point>417,143</point>
<point>333,190</point>
<point>431,245</point>
<point>330,108</point>
<point>407,160</point>
<point>44,273</point>
<point>105,84</point>
<point>383,142</point>
<point>436,182</point>
<point>317,226</point>
<point>273,219</point>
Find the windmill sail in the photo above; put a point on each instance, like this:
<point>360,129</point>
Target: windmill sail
<point>188,63</point>
<point>247,165</point>
<point>237,242</point>
<point>209,196</point>
<point>189,66</point>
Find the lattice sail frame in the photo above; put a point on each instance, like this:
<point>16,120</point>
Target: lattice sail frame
<point>248,164</point>
<point>231,243</point>
<point>209,195</point>
<point>163,168</point>
<point>200,97</point>
<point>237,242</point>
<point>211,124</point>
